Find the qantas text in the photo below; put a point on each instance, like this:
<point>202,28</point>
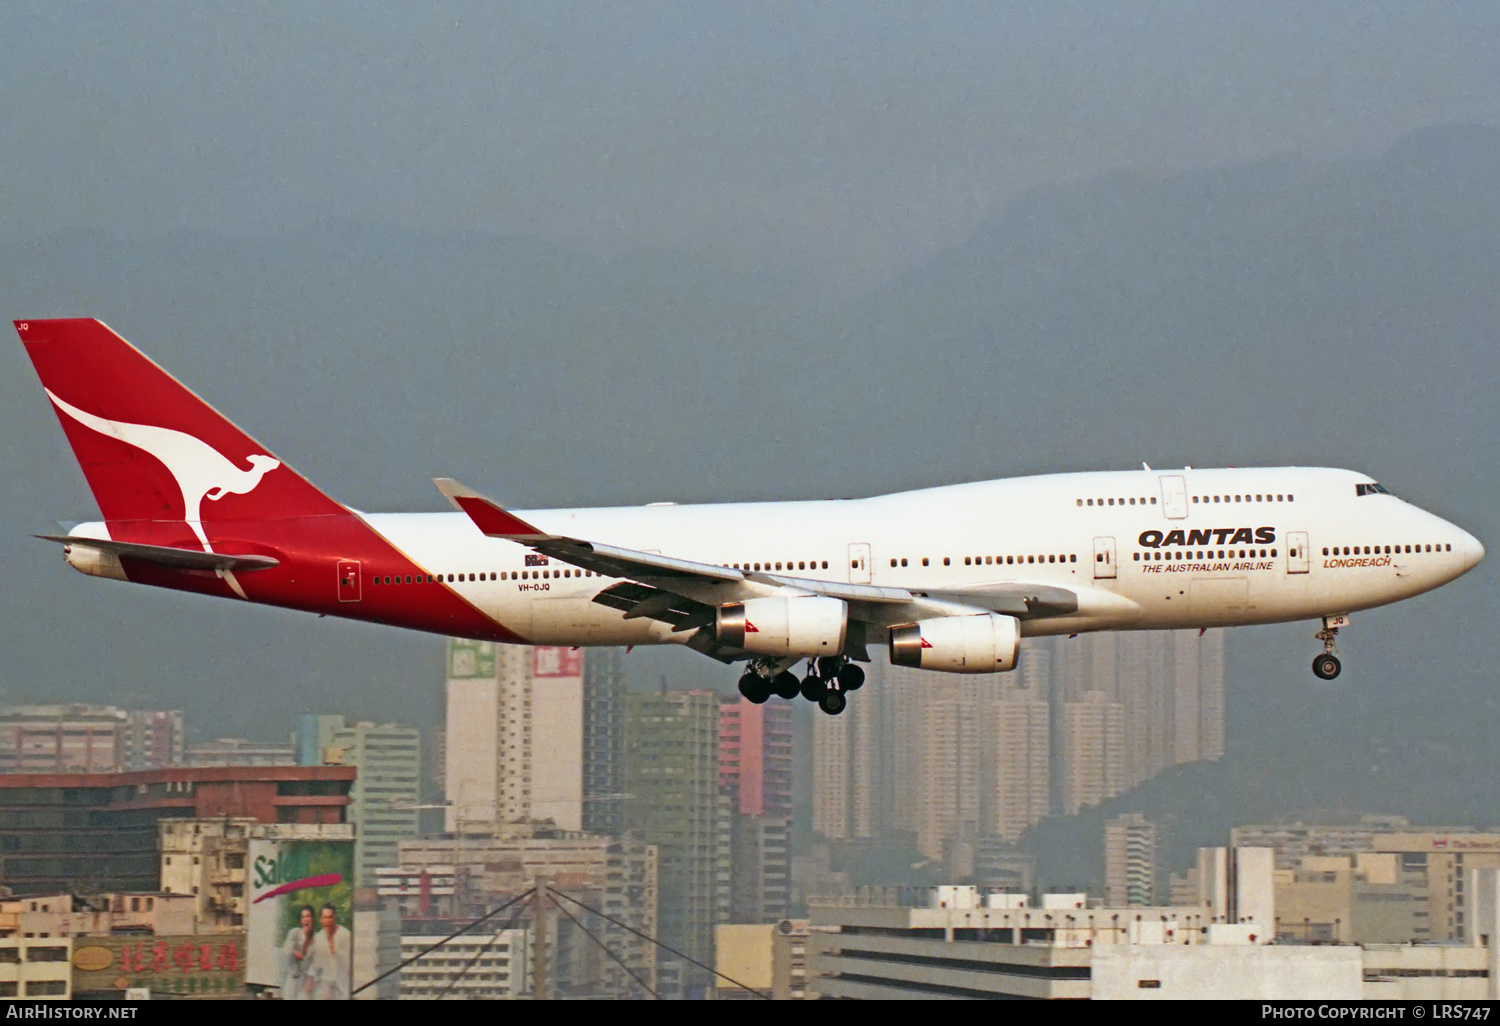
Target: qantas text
<point>1209,536</point>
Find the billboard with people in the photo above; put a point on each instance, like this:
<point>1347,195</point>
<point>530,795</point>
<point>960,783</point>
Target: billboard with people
<point>301,917</point>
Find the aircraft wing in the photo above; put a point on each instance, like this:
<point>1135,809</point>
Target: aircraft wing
<point>166,555</point>
<point>686,594</point>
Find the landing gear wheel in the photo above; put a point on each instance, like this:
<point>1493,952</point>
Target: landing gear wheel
<point>786,685</point>
<point>755,688</point>
<point>813,688</point>
<point>1327,666</point>
<point>851,678</point>
<point>832,702</point>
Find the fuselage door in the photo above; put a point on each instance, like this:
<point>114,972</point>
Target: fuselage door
<point>859,563</point>
<point>1296,552</point>
<point>1104,558</point>
<point>1174,497</point>
<point>348,580</point>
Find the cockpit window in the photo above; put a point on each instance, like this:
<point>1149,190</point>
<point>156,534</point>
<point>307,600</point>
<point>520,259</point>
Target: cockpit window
<point>1371,489</point>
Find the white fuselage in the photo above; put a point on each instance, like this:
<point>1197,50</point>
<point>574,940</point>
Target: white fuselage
<point>1142,549</point>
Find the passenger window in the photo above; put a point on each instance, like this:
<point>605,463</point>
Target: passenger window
<point>1031,559</point>
<point>967,561</point>
<point>1080,502</point>
<point>1073,557</point>
<point>1132,502</point>
<point>924,560</point>
<point>946,561</point>
<point>825,564</point>
<point>1195,499</point>
<point>1091,502</point>
<point>893,562</point>
<point>1153,501</point>
<point>1111,502</point>
<point>1052,559</point>
<point>903,561</point>
<point>1010,559</point>
<point>801,564</point>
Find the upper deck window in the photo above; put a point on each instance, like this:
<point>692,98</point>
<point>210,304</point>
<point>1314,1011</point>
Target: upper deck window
<point>1371,489</point>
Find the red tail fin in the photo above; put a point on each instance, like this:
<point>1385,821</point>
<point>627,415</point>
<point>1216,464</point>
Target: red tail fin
<point>150,448</point>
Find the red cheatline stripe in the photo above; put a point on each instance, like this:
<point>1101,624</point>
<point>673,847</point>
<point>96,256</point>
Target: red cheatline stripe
<point>325,880</point>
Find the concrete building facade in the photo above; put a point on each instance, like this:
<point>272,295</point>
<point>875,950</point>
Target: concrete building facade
<point>96,832</point>
<point>383,801</point>
<point>1131,847</point>
<point>672,775</point>
<point>515,736</point>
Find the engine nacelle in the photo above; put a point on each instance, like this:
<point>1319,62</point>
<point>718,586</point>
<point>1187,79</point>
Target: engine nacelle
<point>804,625</point>
<point>986,643</point>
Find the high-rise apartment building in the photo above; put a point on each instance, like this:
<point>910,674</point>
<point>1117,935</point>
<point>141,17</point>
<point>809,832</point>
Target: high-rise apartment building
<point>1131,850</point>
<point>153,738</point>
<point>955,735</point>
<point>1093,751</point>
<point>755,756</point>
<point>456,878</point>
<point>604,740</point>
<point>383,802</point>
<point>1022,766</point>
<point>755,775</point>
<point>312,736</point>
<point>672,775</point>
<point>88,739</point>
<point>515,736</point>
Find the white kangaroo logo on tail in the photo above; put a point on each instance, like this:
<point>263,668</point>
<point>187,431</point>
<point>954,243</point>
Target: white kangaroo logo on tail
<point>201,471</point>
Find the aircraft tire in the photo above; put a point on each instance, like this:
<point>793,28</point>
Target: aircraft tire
<point>851,678</point>
<point>813,688</point>
<point>1326,666</point>
<point>786,685</point>
<point>832,702</point>
<point>755,688</point>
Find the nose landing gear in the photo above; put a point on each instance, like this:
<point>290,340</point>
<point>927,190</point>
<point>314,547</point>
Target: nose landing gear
<point>1327,665</point>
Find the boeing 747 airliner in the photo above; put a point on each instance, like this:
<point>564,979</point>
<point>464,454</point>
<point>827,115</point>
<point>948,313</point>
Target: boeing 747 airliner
<point>944,578</point>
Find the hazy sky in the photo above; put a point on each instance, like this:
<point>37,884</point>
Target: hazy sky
<point>848,140</point>
<point>849,137</point>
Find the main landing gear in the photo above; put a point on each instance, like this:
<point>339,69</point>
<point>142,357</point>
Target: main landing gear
<point>829,680</point>
<point>1327,665</point>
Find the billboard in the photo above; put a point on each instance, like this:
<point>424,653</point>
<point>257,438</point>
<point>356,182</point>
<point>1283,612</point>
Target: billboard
<point>556,662</point>
<point>207,965</point>
<point>300,917</point>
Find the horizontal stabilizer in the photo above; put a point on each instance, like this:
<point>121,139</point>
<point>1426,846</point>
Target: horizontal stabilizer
<point>165,555</point>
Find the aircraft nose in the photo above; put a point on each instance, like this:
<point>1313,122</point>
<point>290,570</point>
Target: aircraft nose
<point>1473,551</point>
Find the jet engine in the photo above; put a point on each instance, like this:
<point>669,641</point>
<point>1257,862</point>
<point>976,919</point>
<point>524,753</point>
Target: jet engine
<point>803,625</point>
<point>984,643</point>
